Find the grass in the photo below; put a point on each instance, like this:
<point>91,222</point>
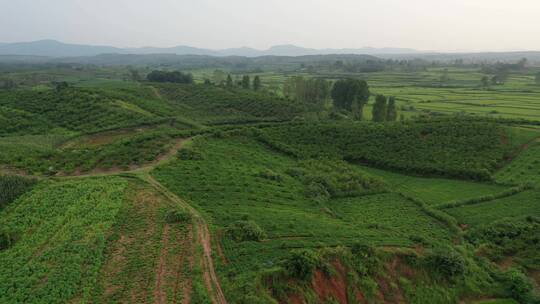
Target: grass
<point>525,168</point>
<point>519,205</point>
<point>435,191</point>
<point>60,230</point>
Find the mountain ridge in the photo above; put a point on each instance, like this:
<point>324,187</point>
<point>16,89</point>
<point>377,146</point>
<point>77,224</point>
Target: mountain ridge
<point>54,48</point>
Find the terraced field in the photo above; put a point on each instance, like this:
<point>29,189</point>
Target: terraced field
<point>520,205</point>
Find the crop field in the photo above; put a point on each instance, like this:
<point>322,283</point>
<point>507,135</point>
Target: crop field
<point>58,250</point>
<point>525,168</point>
<point>435,191</point>
<point>238,179</point>
<point>522,204</point>
<point>116,189</point>
<point>422,91</point>
<point>146,259</point>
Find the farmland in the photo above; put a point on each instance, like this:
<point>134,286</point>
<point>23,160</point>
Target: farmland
<point>122,190</point>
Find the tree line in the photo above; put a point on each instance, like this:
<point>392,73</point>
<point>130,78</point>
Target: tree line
<point>174,76</point>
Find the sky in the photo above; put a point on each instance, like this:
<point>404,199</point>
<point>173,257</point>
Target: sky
<point>438,25</point>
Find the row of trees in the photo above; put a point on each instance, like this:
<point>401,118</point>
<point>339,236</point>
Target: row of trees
<point>225,80</point>
<point>384,109</point>
<point>307,90</point>
<point>164,76</point>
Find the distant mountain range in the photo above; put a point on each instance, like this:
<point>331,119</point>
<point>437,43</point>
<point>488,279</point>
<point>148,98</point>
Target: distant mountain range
<point>53,48</point>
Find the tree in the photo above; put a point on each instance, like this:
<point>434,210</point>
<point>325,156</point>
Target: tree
<point>537,79</point>
<point>485,81</point>
<point>229,81</point>
<point>7,84</point>
<point>257,83</point>
<point>134,75</point>
<point>218,77</point>
<point>391,111</point>
<point>164,76</point>
<point>347,91</point>
<point>245,82</point>
<point>60,86</point>
<point>379,109</point>
<point>444,77</point>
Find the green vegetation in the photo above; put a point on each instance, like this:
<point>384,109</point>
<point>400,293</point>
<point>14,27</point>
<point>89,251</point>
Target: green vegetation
<point>456,148</point>
<point>261,171</point>
<point>524,203</point>
<point>11,187</point>
<point>58,251</point>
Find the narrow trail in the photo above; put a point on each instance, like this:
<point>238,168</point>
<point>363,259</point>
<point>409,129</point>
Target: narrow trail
<point>203,236</point>
<point>179,143</point>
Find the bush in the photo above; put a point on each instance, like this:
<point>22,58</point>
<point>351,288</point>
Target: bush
<point>244,230</point>
<point>302,263</point>
<point>189,154</point>
<point>12,187</point>
<point>446,262</point>
<point>177,216</point>
<point>271,175</point>
<point>518,285</point>
<point>6,240</point>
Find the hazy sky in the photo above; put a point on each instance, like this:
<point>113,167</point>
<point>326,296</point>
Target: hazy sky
<point>421,24</point>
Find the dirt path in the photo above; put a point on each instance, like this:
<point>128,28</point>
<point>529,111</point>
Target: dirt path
<point>163,158</point>
<point>203,235</point>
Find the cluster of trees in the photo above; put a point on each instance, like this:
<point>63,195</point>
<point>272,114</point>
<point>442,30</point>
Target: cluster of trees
<point>384,109</point>
<point>164,76</point>
<point>537,78</point>
<point>221,79</point>
<point>307,90</point>
<point>351,95</point>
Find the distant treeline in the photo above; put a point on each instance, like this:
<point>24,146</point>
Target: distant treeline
<point>164,76</point>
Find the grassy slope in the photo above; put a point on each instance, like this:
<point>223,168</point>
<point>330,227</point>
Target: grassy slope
<point>435,191</point>
<point>519,205</point>
<point>226,186</point>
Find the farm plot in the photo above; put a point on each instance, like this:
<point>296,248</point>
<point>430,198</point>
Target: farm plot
<point>147,259</point>
<point>435,191</point>
<point>234,181</point>
<point>58,232</point>
<point>525,168</point>
<point>523,204</point>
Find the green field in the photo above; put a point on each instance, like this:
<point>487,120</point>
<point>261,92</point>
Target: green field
<point>114,189</point>
<point>523,204</point>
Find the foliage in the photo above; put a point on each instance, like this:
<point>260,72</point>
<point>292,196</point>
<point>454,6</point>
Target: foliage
<point>242,231</point>
<point>164,76</point>
<point>177,216</point>
<point>379,109</point>
<point>518,285</point>
<point>446,262</point>
<point>391,110</point>
<point>11,187</point>
<point>302,263</point>
<point>346,92</point>
<point>463,148</point>
<point>61,229</point>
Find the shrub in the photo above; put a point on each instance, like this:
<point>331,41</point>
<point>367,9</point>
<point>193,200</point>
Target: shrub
<point>189,154</point>
<point>241,231</point>
<point>517,284</point>
<point>177,216</point>
<point>302,263</point>
<point>271,175</point>
<point>446,262</point>
<point>12,187</point>
<point>6,240</point>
